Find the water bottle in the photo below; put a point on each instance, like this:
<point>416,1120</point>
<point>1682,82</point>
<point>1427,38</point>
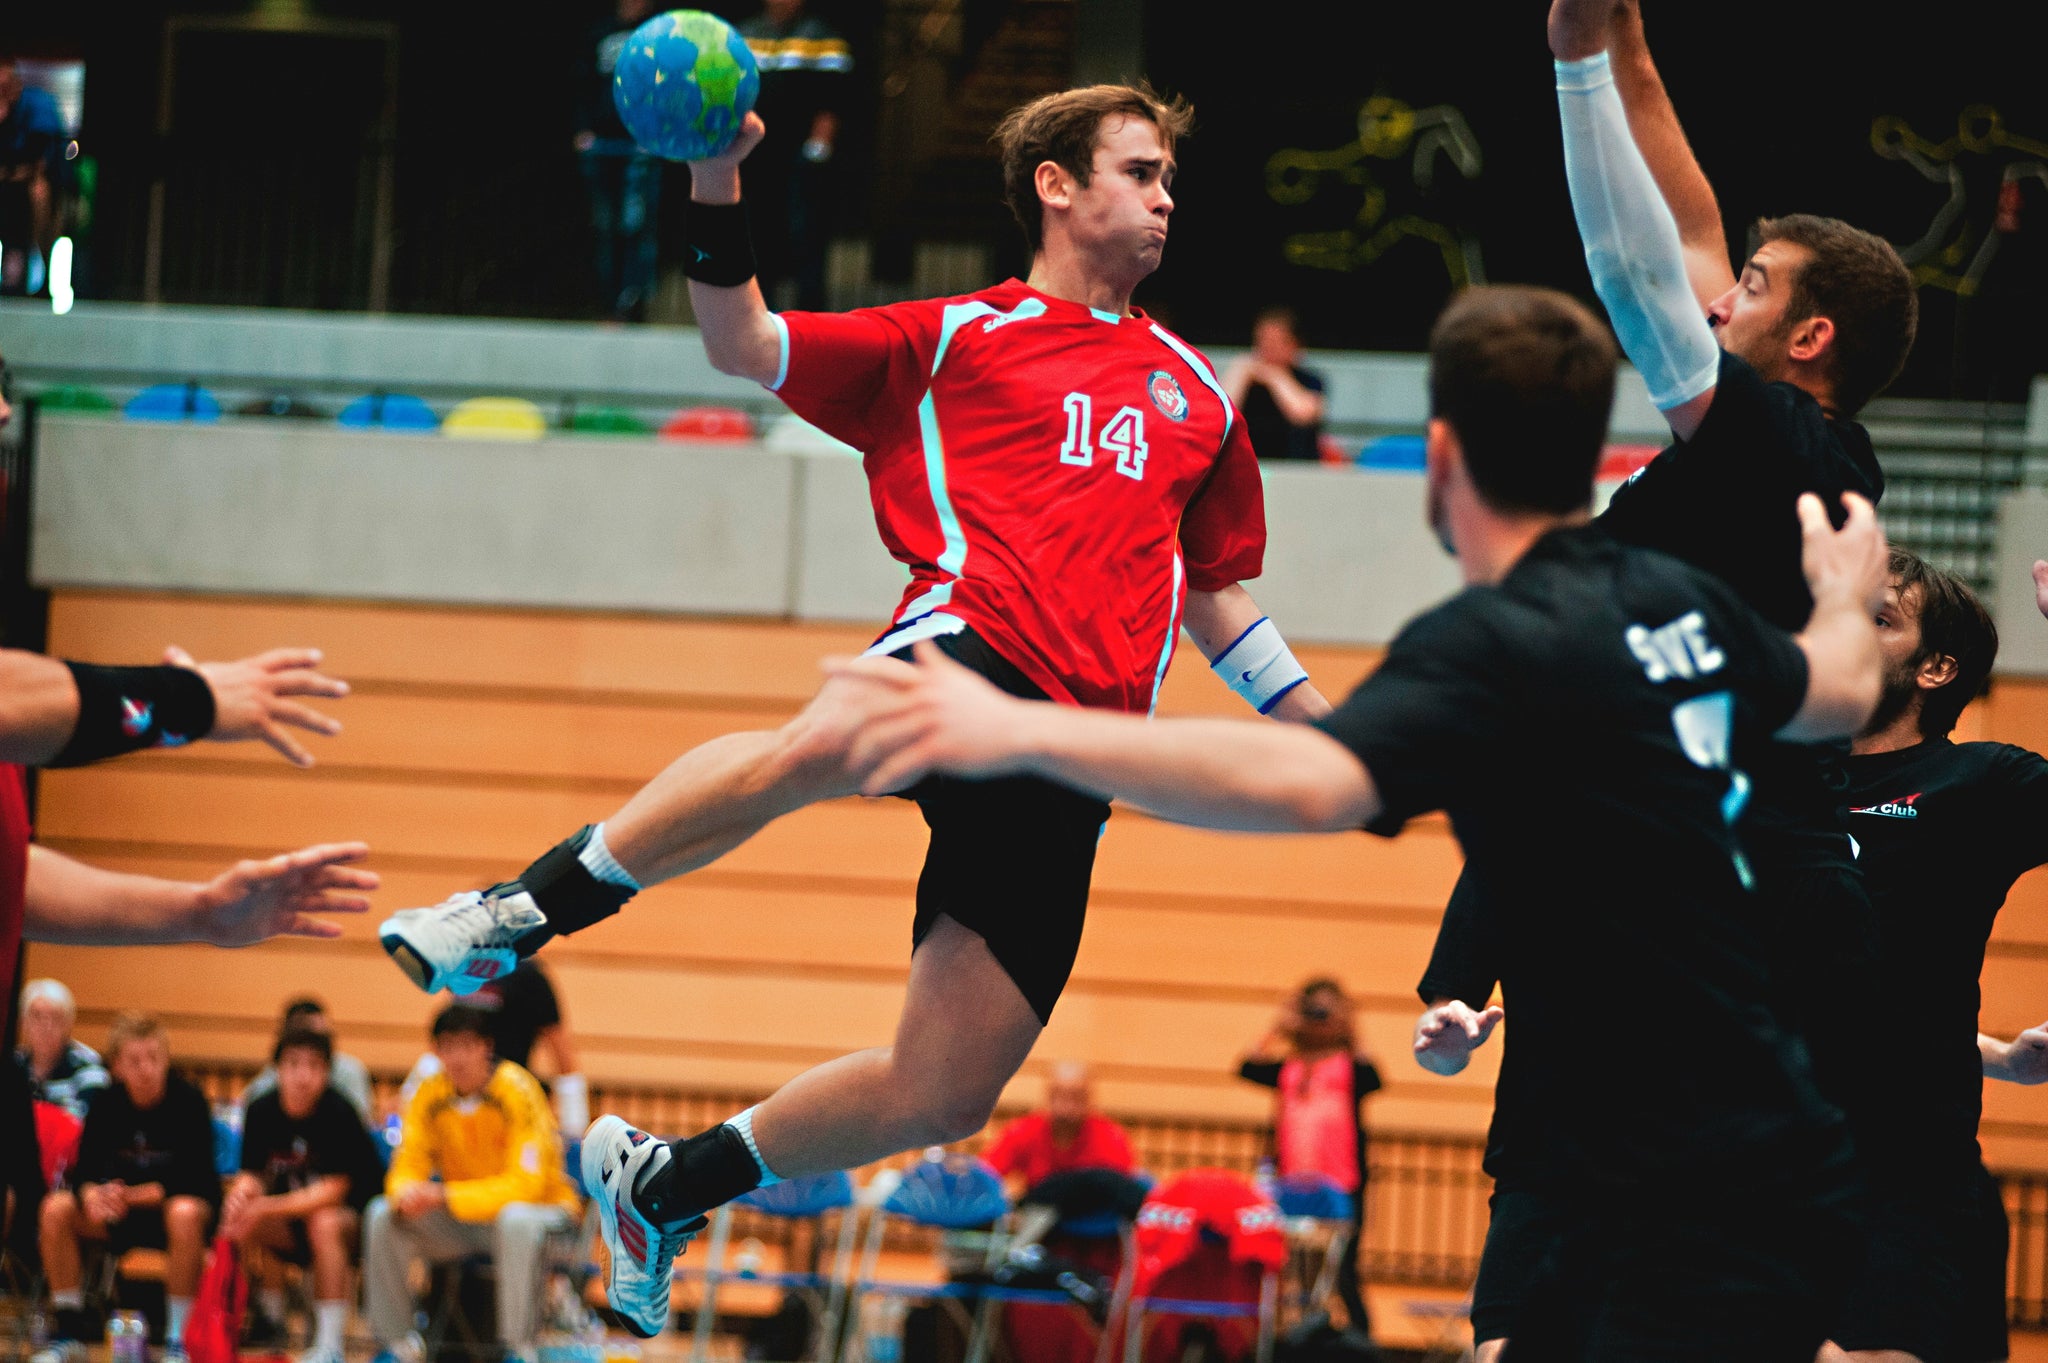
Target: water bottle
<point>881,1328</point>
<point>127,1337</point>
<point>1264,1182</point>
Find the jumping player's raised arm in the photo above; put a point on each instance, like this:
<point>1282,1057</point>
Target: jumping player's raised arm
<point>740,334</point>
<point>1654,124</point>
<point>1633,243</point>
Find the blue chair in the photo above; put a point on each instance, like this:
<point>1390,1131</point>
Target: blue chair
<point>950,1193</point>
<point>173,402</point>
<point>389,412</point>
<point>811,1198</point>
<point>1394,454</point>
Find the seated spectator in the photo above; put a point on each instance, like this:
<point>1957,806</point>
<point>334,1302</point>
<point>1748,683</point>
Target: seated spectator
<point>349,1076</point>
<point>1281,401</point>
<point>308,1170</point>
<point>478,1170</point>
<point>61,1069</point>
<point>1068,1135</point>
<point>145,1178</point>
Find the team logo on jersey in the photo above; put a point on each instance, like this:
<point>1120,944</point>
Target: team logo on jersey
<point>1894,809</point>
<point>1166,394</point>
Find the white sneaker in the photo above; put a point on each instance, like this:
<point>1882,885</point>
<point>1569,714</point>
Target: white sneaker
<point>409,1349</point>
<point>639,1256</point>
<point>463,943</point>
<point>173,1353</point>
<point>316,1354</point>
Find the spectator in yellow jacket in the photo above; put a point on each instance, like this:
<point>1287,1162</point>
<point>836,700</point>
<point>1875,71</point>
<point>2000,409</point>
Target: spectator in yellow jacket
<point>478,1170</point>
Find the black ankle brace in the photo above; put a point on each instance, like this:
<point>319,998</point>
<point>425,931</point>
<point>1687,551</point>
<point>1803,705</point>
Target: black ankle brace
<point>708,1170</point>
<point>566,892</point>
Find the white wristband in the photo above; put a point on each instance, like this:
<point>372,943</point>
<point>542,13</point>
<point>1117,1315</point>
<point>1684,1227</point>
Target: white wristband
<point>1259,667</point>
<point>572,1102</point>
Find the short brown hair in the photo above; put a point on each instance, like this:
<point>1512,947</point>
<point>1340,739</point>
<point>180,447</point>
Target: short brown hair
<point>1063,129</point>
<point>1525,377</point>
<point>129,1027</point>
<point>1953,624</point>
<point>1857,281</point>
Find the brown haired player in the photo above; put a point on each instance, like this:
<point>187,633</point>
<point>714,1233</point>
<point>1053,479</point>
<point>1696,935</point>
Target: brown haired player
<point>1760,376</point>
<point>1582,710</point>
<point>1069,487</point>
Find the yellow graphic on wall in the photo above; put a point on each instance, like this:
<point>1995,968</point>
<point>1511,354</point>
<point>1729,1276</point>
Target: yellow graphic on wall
<point>1389,132</point>
<point>1955,250</point>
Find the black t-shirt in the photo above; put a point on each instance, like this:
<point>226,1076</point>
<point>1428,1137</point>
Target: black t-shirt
<point>290,1153</point>
<point>1944,830</point>
<point>597,56</point>
<point>170,1143</point>
<point>1273,436</point>
<point>1365,1080</point>
<point>522,1005</point>
<point>1585,723</point>
<point>804,72</point>
<point>1724,501</point>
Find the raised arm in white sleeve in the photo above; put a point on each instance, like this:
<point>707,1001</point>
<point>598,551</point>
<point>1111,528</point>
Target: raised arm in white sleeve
<point>1631,240</point>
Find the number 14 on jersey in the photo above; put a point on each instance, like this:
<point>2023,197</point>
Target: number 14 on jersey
<point>1123,435</point>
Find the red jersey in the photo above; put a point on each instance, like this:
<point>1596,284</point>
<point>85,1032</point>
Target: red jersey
<point>1026,1147</point>
<point>14,837</point>
<point>1055,477</point>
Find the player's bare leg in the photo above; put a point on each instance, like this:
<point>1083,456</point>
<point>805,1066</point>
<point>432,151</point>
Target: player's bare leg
<point>707,802</point>
<point>964,1033</point>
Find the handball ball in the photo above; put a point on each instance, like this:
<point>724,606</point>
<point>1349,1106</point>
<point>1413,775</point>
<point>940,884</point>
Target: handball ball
<point>684,84</point>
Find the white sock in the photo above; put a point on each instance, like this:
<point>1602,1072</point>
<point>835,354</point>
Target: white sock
<point>174,1327</point>
<point>599,861</point>
<point>68,1299</point>
<point>744,1124</point>
<point>271,1299</point>
<point>329,1317</point>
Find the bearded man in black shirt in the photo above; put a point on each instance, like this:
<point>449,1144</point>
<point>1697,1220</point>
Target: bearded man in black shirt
<point>1583,710</point>
<point>1943,831</point>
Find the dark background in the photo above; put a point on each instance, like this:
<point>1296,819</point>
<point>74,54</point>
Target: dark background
<point>267,180</point>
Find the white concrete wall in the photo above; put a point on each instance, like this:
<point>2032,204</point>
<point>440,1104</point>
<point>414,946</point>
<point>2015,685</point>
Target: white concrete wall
<point>300,509</point>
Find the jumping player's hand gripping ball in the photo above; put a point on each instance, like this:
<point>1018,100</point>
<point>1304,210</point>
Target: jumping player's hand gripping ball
<point>684,84</point>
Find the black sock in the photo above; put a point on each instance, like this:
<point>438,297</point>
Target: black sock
<point>708,1170</point>
<point>70,1322</point>
<point>566,892</point>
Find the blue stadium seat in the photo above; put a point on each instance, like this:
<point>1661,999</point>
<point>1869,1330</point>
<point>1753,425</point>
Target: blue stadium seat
<point>172,402</point>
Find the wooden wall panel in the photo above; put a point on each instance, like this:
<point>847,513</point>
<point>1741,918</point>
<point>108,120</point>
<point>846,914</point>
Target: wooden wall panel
<point>476,738</point>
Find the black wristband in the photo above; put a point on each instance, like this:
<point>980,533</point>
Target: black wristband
<point>122,709</point>
<point>718,249</point>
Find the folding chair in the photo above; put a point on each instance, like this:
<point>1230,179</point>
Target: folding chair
<point>1212,1250</point>
<point>811,1198</point>
<point>1061,1322</point>
<point>1315,1214</point>
<point>951,1193</point>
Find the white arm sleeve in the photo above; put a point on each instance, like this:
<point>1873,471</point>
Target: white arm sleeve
<point>1631,239</point>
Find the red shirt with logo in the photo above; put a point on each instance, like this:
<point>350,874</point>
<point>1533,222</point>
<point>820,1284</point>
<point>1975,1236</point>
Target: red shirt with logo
<point>1027,1147</point>
<point>1055,477</point>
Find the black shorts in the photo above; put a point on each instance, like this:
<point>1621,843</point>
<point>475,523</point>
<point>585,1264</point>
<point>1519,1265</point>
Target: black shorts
<point>1738,1279</point>
<point>1010,859</point>
<point>1521,1230</point>
<point>1933,1281</point>
<point>141,1228</point>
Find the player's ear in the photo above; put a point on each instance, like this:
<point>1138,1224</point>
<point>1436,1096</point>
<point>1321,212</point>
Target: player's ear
<point>1936,671</point>
<point>1810,339</point>
<point>1443,457</point>
<point>1055,186</point>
